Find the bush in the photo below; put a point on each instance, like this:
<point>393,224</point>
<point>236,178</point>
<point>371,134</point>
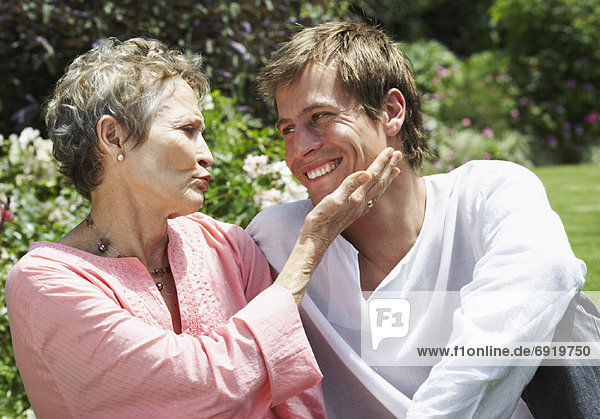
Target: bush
<point>241,185</point>
<point>555,61</point>
<point>39,38</point>
<point>468,106</point>
<point>461,25</point>
<point>456,147</point>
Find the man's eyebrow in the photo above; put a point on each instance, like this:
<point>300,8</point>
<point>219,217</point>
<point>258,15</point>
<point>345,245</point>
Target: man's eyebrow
<point>308,109</point>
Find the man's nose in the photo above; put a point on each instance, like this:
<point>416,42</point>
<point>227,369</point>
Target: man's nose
<point>307,139</point>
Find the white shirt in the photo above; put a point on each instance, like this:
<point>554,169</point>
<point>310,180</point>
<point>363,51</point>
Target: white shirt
<point>490,239</point>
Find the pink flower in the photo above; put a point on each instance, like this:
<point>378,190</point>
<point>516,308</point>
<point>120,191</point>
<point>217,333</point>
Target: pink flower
<point>269,197</point>
<point>514,113</point>
<point>488,132</point>
<point>5,214</point>
<point>442,71</point>
<point>592,117</point>
<point>465,122</point>
<point>255,165</point>
<point>571,83</point>
<point>487,156</point>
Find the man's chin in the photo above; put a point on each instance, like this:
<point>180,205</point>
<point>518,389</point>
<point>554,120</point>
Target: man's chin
<point>316,198</point>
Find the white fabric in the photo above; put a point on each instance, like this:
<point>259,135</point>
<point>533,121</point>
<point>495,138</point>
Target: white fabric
<point>490,236</point>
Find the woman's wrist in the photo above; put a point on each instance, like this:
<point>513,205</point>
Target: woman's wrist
<point>301,264</point>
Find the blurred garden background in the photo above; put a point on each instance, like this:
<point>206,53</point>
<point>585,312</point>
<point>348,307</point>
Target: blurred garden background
<point>516,80</point>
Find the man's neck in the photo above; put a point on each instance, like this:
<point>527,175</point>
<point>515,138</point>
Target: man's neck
<point>390,229</point>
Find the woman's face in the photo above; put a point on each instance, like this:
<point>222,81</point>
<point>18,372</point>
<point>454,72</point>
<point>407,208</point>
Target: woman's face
<point>167,172</point>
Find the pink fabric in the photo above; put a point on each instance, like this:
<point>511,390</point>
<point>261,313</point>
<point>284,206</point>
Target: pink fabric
<point>93,337</point>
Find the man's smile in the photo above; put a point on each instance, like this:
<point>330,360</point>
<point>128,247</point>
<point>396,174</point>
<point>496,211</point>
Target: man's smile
<point>323,169</point>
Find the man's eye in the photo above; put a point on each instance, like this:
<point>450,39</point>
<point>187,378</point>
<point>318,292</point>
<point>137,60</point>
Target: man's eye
<point>318,116</point>
<point>287,130</point>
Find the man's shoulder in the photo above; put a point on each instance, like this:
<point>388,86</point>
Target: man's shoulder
<point>484,174</point>
<point>288,215</point>
<point>491,168</point>
<point>276,229</point>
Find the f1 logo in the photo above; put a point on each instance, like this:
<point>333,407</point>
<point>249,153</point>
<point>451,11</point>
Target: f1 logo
<point>389,318</point>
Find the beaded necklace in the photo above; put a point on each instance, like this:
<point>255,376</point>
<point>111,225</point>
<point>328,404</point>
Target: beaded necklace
<point>104,245</point>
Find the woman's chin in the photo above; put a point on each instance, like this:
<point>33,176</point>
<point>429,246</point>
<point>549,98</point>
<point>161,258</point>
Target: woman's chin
<point>191,208</point>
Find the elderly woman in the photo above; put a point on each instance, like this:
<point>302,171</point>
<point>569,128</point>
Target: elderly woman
<point>148,308</point>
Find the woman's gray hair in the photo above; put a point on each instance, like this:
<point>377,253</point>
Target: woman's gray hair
<point>117,79</point>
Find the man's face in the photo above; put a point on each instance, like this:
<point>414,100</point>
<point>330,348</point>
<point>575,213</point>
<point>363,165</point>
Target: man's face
<point>327,135</point>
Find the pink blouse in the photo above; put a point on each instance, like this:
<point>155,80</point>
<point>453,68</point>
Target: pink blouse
<point>93,337</point>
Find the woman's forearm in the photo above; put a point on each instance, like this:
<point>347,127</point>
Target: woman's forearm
<point>332,216</point>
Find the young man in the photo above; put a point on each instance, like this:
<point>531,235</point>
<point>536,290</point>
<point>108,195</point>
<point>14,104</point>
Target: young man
<point>477,255</point>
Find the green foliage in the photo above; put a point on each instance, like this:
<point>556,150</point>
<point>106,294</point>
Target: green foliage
<point>232,135</point>
<point>555,61</point>
<point>39,37</point>
<point>455,147</point>
<point>468,106</point>
<point>461,25</point>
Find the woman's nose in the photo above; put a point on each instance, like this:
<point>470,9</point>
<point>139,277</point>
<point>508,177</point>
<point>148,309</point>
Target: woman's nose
<point>203,155</point>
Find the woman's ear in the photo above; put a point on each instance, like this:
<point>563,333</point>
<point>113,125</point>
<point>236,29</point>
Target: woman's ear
<point>393,112</point>
<point>111,136</point>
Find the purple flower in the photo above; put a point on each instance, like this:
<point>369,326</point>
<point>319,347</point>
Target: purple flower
<point>514,113</point>
<point>98,42</point>
<point>523,101</point>
<point>246,27</point>
<point>589,87</point>
<point>552,141</point>
<point>571,83</point>
<point>240,49</point>
<point>41,40</point>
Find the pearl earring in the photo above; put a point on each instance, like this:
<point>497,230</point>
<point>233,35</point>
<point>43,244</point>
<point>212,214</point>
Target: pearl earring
<point>120,157</point>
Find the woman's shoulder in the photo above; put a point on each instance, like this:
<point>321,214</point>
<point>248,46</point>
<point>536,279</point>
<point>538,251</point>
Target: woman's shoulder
<point>44,257</point>
<point>199,229</point>
<point>200,221</point>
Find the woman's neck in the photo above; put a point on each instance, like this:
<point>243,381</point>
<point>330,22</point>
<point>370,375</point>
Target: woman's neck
<point>131,229</point>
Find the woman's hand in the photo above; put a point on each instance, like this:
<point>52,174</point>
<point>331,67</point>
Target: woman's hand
<point>353,198</point>
<point>336,212</point>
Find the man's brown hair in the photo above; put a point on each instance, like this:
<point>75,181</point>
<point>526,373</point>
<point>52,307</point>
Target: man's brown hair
<point>368,64</point>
